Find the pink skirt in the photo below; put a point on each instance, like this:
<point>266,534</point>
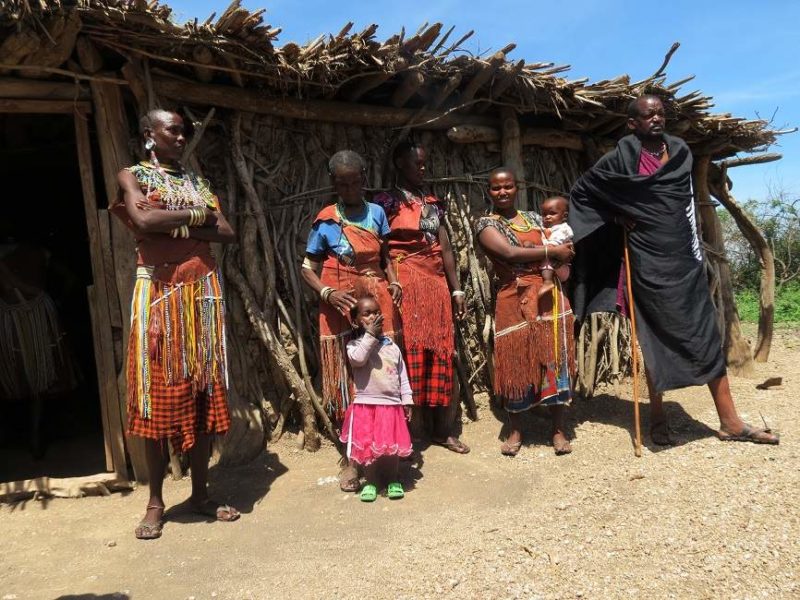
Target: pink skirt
<point>371,431</point>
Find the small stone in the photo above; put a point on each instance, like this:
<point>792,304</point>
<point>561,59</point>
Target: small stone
<point>111,543</point>
<point>453,583</point>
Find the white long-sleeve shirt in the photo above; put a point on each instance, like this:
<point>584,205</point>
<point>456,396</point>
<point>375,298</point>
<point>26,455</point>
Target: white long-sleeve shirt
<point>379,372</point>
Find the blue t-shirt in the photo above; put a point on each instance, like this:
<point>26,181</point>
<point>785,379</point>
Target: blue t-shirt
<point>326,236</point>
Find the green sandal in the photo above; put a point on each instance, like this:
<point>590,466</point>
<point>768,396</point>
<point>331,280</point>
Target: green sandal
<point>394,491</point>
<point>369,493</point>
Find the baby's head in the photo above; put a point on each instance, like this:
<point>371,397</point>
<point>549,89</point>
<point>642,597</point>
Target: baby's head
<point>365,311</point>
<point>555,211</point>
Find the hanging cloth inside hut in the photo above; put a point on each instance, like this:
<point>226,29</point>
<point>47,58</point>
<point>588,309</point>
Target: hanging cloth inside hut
<point>676,319</point>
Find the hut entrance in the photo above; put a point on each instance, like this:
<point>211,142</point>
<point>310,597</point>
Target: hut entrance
<point>52,420</point>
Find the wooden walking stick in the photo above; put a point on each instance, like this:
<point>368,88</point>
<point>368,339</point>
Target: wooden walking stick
<point>634,354</point>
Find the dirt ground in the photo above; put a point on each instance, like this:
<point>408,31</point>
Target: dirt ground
<point>702,520</point>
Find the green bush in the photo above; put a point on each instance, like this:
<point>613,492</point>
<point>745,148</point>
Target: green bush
<point>787,304</point>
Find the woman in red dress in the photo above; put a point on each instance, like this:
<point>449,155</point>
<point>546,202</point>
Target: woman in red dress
<point>176,369</point>
<point>346,259</point>
<point>419,249</point>
<point>534,348</point>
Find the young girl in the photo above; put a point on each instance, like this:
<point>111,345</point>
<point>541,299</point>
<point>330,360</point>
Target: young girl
<point>374,427</point>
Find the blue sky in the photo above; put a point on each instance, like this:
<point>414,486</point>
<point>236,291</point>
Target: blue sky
<point>743,53</point>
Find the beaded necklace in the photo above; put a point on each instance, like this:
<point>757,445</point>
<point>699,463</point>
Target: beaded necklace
<point>343,217</point>
<point>520,228</point>
<point>657,153</point>
<point>176,191</point>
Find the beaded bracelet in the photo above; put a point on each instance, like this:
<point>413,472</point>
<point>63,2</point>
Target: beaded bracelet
<point>396,283</point>
<point>457,293</point>
<point>325,293</point>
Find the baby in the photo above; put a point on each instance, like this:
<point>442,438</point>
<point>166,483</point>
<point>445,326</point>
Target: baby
<point>554,216</point>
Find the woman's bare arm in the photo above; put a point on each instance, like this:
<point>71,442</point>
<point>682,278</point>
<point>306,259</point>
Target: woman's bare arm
<point>496,245</point>
<point>151,221</point>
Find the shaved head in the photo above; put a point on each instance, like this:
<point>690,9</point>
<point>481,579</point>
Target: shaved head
<point>635,105</point>
<point>505,170</point>
<point>153,117</point>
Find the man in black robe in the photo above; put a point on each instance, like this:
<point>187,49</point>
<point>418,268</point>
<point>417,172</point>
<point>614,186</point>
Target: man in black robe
<point>644,185</point>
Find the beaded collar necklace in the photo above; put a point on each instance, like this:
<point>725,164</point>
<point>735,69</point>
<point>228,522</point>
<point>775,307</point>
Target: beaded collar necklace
<point>657,153</point>
<point>521,228</point>
<point>175,197</point>
<point>343,217</point>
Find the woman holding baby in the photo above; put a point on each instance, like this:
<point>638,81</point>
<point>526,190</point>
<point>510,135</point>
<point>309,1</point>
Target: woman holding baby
<point>533,330</point>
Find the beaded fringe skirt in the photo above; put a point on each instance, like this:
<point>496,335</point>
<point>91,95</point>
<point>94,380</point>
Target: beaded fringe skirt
<point>181,327</point>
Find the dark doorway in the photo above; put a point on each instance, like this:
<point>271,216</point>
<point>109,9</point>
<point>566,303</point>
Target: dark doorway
<point>45,268</point>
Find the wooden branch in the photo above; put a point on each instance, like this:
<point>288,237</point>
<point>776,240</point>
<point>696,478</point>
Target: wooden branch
<point>365,84</point>
<point>737,351</point>
<point>88,56</point>
<point>133,74</point>
<point>56,71</point>
<point>111,404</point>
<point>546,138</point>
<point>64,31</point>
<point>667,58</point>
<point>409,86</point>
<point>482,76</point>
<point>511,143</point>
<point>444,91</point>
<point>11,87</point>
<point>502,82</point>
<point>198,135</point>
<point>66,107</point>
<point>272,342</point>
<point>751,160</point>
<point>308,110</point>
<point>203,56</point>
<point>766,302</point>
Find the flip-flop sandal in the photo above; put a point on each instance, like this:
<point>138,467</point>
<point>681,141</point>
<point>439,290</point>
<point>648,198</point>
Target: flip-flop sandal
<point>394,491</point>
<point>456,446</point>
<point>510,449</point>
<point>750,434</point>
<point>660,434</point>
<point>221,512</point>
<point>369,493</point>
<point>149,531</point>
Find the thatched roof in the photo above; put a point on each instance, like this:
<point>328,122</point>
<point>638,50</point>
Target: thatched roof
<point>428,68</point>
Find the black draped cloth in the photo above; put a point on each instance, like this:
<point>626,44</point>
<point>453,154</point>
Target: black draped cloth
<point>676,321</point>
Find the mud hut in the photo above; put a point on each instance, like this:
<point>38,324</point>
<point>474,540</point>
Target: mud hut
<point>266,119</point>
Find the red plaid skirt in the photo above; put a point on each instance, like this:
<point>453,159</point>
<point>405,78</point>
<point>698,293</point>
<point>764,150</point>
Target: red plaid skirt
<point>178,414</point>
<point>430,376</point>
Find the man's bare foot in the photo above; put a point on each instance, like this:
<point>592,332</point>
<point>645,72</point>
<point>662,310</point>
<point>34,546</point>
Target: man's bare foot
<point>561,443</point>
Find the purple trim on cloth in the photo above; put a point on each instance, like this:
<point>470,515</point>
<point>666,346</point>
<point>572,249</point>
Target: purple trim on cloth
<point>648,164</point>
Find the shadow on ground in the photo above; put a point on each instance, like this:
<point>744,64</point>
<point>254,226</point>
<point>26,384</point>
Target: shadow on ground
<point>608,410</point>
<point>243,487</point>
